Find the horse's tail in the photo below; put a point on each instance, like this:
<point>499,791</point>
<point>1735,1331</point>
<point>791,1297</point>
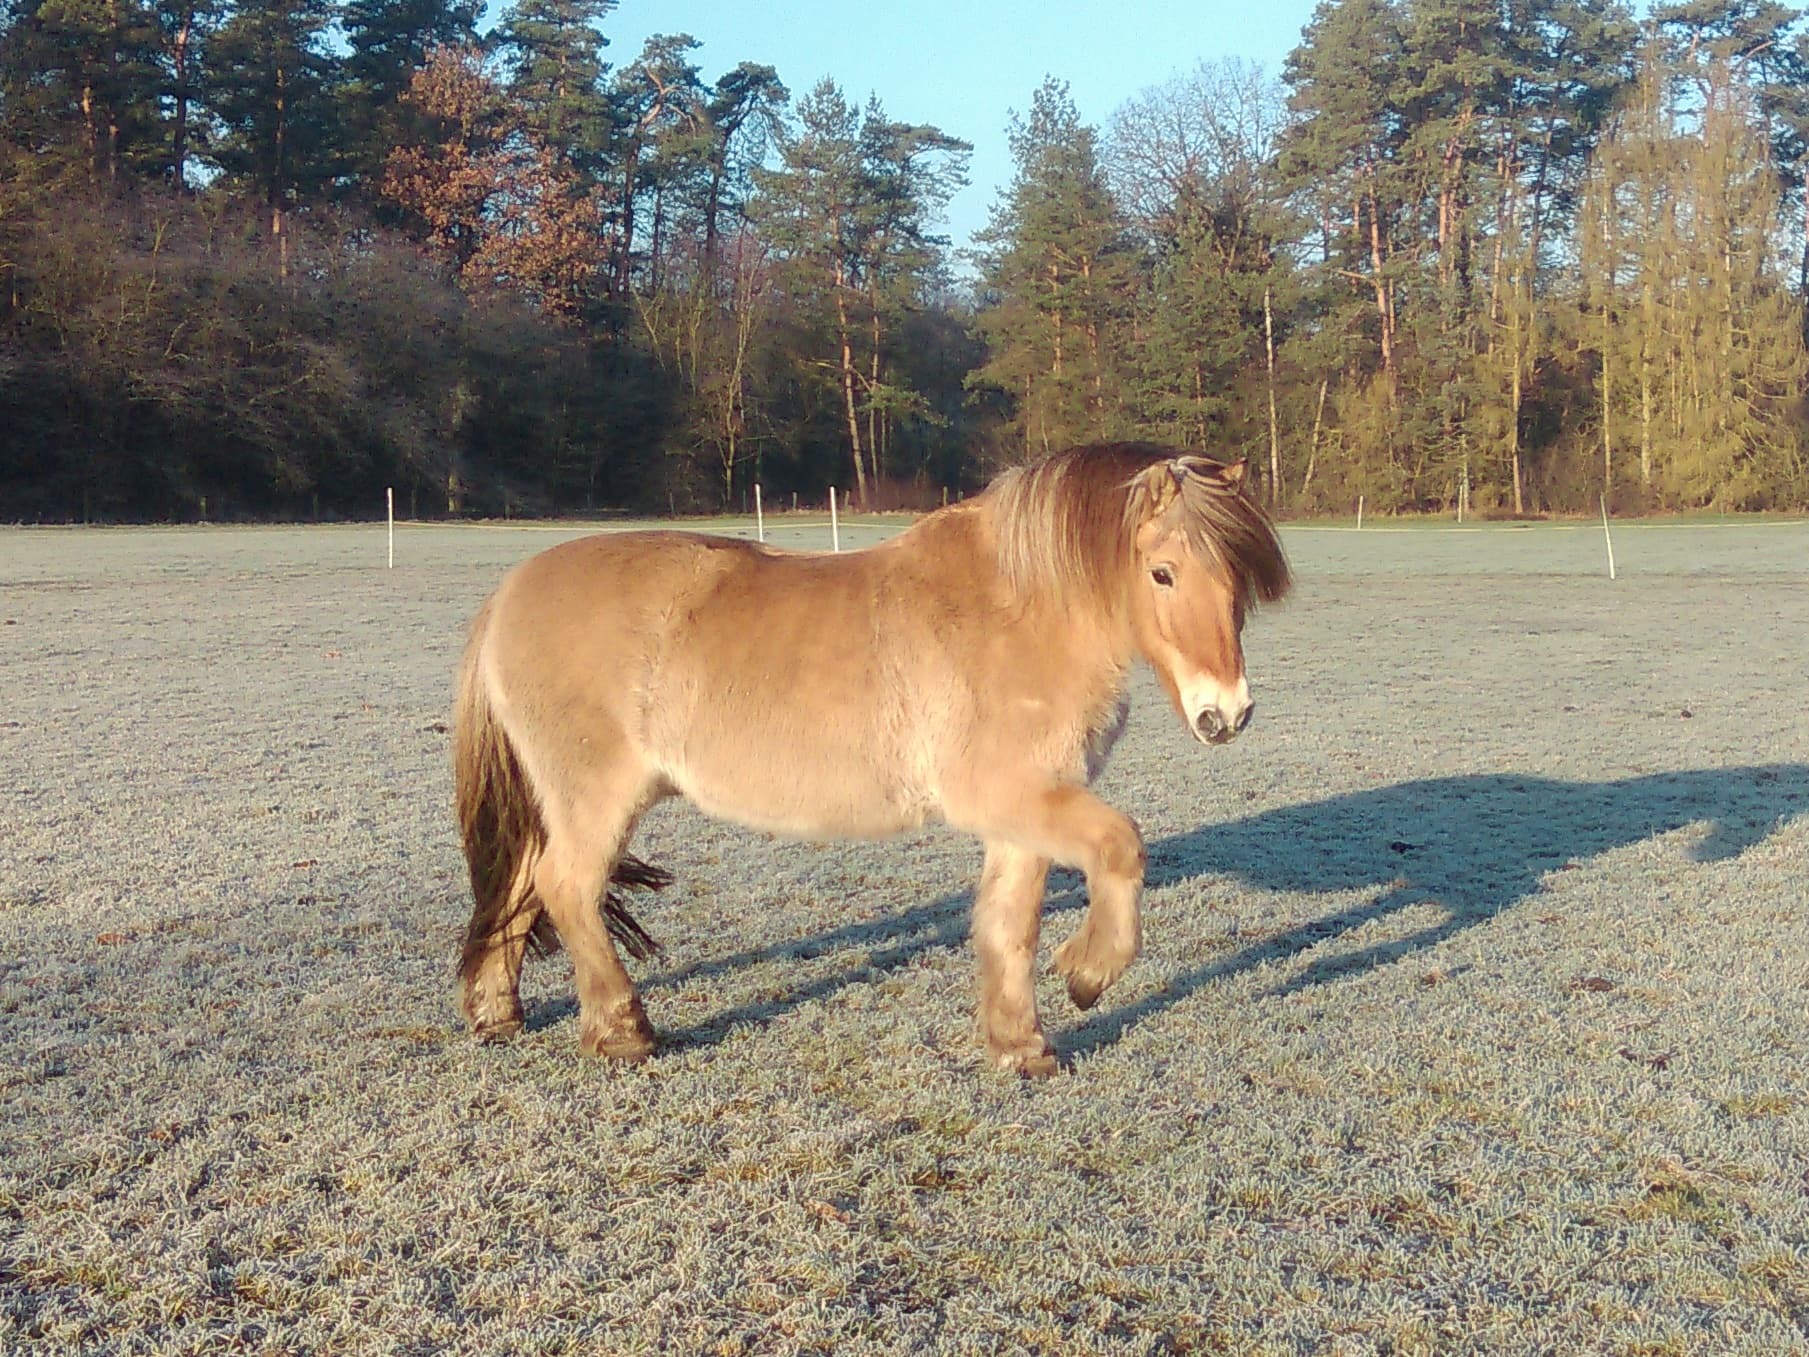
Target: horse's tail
<point>502,831</point>
<point>499,818</point>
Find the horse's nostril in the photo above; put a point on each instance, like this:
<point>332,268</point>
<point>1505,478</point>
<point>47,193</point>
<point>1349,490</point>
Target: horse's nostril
<point>1210,724</point>
<point>1243,718</point>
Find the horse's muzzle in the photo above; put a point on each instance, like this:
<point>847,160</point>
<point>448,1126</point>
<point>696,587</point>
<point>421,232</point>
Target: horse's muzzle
<point>1212,727</point>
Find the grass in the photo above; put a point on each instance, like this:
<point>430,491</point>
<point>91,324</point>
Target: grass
<point>1469,1020</point>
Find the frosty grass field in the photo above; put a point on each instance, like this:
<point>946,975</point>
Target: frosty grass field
<point>1471,1016</point>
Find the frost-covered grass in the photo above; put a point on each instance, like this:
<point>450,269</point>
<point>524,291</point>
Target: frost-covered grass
<point>1471,1017</point>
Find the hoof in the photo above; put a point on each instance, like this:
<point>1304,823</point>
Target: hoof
<point>1084,990</point>
<point>492,1018</point>
<point>1033,1062</point>
<point>630,1050</point>
<point>628,1039</point>
<point>1036,1066</point>
<point>496,1033</point>
<point>1087,973</point>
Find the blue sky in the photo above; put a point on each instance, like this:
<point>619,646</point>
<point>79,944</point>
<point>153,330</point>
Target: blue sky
<point>965,66</point>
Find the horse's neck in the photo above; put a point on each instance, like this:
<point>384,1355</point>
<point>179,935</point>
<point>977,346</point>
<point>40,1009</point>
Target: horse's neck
<point>1078,649</point>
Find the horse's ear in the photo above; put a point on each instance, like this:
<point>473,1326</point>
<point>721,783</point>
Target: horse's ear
<point>1161,485</point>
<point>1233,473</point>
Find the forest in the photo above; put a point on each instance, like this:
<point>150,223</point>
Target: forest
<point>265,258</point>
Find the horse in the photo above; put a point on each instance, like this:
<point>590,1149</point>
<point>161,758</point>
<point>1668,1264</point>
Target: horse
<point>971,670</point>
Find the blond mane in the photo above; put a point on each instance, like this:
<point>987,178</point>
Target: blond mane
<point>1066,526</point>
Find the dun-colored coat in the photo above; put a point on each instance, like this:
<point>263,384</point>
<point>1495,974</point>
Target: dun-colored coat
<point>970,670</point>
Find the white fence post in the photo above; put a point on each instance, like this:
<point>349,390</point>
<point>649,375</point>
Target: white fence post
<point>1606,538</point>
<point>759,515</point>
<point>835,527</point>
<point>389,496</point>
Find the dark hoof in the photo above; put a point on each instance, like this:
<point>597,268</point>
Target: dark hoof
<point>628,1039</point>
<point>496,1033</point>
<point>630,1050</point>
<point>1084,991</point>
<point>1038,1066</point>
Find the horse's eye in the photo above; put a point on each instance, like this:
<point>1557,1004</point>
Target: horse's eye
<point>1163,576</point>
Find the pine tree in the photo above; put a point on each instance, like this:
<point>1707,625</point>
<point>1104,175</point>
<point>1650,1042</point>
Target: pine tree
<point>1343,151</point>
<point>553,52</point>
<point>847,211</point>
<point>270,87</point>
<point>185,28</point>
<point>657,103</point>
<point>747,100</point>
<point>1055,267</point>
<point>78,87</point>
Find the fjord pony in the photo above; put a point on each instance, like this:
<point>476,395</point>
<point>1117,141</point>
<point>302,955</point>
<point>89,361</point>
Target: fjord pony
<point>971,669</point>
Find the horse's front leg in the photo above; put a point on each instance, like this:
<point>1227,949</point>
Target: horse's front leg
<point>1008,915</point>
<point>1106,845</point>
<point>1069,824</point>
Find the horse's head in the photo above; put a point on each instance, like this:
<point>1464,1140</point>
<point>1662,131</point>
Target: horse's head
<point>1204,555</point>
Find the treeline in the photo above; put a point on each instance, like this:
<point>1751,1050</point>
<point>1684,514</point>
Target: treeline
<point>1498,257</point>
<point>268,257</point>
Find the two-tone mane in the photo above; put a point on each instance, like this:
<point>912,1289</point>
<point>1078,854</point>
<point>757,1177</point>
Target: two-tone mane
<point>1065,525</point>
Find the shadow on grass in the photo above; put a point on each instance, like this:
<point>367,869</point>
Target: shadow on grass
<point>1474,846</point>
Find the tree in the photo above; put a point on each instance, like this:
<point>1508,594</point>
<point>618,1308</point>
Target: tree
<point>847,211</point>
<point>1213,233</point>
<point>1343,151</point>
<point>388,41</point>
<point>78,87</point>
<point>457,155</point>
<point>1439,145</point>
<point>1054,266</point>
<point>710,343</point>
<point>657,102</point>
<point>507,213</point>
<point>911,171</point>
<point>747,101</point>
<point>270,87</point>
<point>185,28</point>
<point>553,53</point>
<point>1698,344</point>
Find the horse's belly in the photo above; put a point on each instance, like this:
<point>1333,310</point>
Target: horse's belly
<point>800,798</point>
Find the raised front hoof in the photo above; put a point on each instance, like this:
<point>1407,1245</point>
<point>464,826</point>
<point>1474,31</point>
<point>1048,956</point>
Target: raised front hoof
<point>1088,974</point>
<point>628,1040</point>
<point>1085,990</point>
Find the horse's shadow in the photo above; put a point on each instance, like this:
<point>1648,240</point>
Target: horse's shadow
<point>1472,846</point>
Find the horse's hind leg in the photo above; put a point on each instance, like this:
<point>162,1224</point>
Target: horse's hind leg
<point>585,836</point>
<point>1007,916</point>
<point>492,987</point>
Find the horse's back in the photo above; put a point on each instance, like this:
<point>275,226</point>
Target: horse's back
<point>586,613</point>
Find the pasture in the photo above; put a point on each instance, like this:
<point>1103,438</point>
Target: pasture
<point>1470,1017</point>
